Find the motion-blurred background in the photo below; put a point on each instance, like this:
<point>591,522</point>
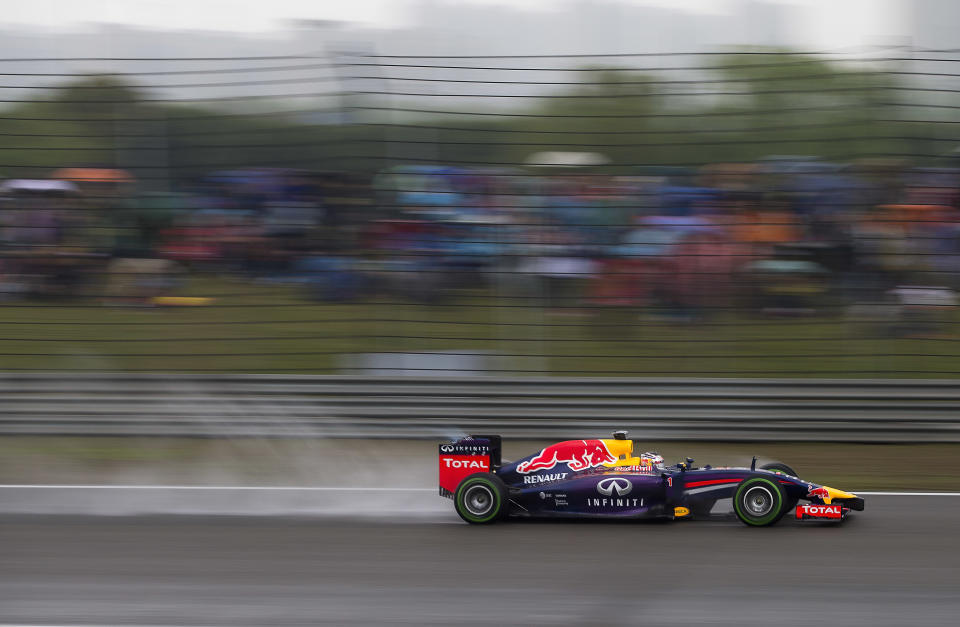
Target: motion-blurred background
<point>294,244</point>
<point>712,196</point>
<point>705,221</point>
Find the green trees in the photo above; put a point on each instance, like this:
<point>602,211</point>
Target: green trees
<point>730,107</point>
<point>103,121</point>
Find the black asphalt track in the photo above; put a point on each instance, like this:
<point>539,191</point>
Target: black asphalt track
<point>897,563</point>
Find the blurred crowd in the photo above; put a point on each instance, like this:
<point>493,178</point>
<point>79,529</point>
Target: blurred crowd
<point>786,235</point>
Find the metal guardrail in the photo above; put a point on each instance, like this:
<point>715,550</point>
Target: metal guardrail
<point>439,407</point>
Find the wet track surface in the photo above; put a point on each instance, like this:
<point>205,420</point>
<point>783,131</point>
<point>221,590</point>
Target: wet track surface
<point>894,564</point>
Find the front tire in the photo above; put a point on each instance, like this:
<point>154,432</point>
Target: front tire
<point>481,499</point>
<point>780,468</point>
<point>759,502</point>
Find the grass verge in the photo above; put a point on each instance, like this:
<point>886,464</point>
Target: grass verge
<point>916,467</point>
<point>267,329</point>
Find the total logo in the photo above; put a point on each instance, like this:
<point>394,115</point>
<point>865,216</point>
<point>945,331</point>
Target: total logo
<point>820,511</point>
<point>534,479</point>
<point>478,464</point>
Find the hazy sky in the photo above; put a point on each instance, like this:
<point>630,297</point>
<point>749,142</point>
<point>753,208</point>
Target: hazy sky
<point>825,23</point>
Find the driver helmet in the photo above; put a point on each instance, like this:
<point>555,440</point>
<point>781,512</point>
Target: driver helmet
<point>651,460</point>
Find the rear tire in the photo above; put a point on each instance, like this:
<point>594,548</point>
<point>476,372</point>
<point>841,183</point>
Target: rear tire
<point>481,499</point>
<point>759,501</point>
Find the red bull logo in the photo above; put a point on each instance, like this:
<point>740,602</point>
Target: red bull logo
<point>576,454</point>
<point>814,491</point>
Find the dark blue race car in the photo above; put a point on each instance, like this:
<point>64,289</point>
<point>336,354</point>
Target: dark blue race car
<point>604,479</point>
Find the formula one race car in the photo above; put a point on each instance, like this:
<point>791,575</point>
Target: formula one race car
<point>603,479</point>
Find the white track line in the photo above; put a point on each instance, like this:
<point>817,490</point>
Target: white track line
<point>903,494</point>
<point>284,488</point>
<point>281,488</point>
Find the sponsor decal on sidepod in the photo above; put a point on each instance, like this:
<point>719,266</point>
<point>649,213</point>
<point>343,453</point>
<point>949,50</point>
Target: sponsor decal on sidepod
<point>548,478</point>
<point>614,486</point>
<point>559,500</point>
<point>617,485</point>
<point>576,454</point>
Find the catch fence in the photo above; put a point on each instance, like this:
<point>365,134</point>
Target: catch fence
<point>729,214</point>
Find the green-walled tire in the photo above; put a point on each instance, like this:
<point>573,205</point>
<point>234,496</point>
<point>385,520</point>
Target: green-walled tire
<point>780,468</point>
<point>481,499</point>
<point>759,502</point>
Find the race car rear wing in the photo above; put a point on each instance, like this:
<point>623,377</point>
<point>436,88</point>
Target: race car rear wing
<point>466,456</point>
